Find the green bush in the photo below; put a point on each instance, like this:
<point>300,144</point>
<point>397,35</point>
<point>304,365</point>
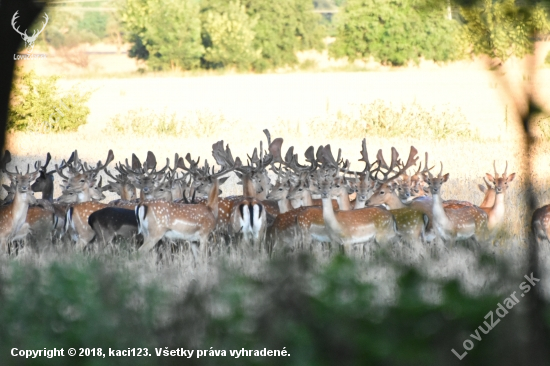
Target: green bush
<point>37,105</point>
<point>395,32</point>
<point>228,38</point>
<point>380,118</point>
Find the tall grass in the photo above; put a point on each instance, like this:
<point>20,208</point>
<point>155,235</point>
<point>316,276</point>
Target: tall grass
<point>144,122</point>
<point>379,118</point>
<point>383,119</point>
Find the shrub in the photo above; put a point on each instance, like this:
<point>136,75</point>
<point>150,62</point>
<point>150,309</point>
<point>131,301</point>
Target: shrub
<point>395,32</point>
<point>37,105</point>
<point>380,118</point>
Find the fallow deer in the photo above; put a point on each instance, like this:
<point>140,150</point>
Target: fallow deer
<point>455,223</point>
<point>13,215</point>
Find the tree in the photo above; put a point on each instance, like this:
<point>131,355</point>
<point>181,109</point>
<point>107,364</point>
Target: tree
<point>281,29</point>
<point>395,32</point>
<point>229,38</point>
<point>166,33</point>
<point>284,28</point>
<point>501,29</point>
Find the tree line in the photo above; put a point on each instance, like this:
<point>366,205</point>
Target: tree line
<point>257,35</point>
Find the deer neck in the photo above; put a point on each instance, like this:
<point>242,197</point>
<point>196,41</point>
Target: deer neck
<point>359,204</point>
<point>439,215</point>
<point>394,202</point>
<point>84,195</point>
<point>496,214</point>
<point>19,208</point>
<point>284,205</point>
<point>343,200</point>
<point>307,200</point>
<point>213,198</point>
<point>331,222</point>
<point>248,186</point>
<point>489,199</point>
<point>47,191</point>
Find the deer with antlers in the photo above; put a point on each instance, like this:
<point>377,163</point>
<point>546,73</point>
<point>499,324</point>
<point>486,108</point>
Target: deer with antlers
<point>249,216</point>
<point>496,211</point>
<point>13,215</point>
<point>193,222</point>
<point>362,225</point>
<point>455,223</point>
<point>80,186</point>
<point>411,223</point>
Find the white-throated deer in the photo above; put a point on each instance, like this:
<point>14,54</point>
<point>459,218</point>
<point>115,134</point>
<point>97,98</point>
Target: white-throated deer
<point>13,215</point>
<point>455,223</point>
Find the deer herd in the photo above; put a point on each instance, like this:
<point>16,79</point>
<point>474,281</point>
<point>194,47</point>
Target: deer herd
<point>318,201</point>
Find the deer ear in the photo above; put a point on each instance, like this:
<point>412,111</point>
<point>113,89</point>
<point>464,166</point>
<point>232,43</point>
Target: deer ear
<point>511,177</point>
<point>445,177</point>
<point>490,178</point>
<point>482,188</point>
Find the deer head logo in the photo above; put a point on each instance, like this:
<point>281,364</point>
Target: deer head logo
<point>29,41</point>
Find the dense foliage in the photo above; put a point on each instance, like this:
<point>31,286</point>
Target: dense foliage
<point>395,32</point>
<point>321,314</point>
<point>229,37</point>
<point>37,105</point>
<point>256,34</point>
<point>166,33</point>
<point>502,28</point>
<point>68,28</point>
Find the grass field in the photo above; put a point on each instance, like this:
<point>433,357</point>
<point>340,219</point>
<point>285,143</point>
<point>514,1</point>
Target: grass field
<point>236,108</point>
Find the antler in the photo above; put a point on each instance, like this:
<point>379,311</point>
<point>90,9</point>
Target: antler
<point>396,163</point>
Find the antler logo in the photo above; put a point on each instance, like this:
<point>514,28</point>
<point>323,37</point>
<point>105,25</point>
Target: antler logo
<point>29,41</point>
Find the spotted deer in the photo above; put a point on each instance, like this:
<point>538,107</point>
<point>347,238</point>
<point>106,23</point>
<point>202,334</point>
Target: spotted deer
<point>81,178</point>
<point>249,217</point>
<point>455,223</point>
<point>362,225</point>
<point>355,226</point>
<point>193,222</point>
<point>13,215</point>
<point>411,223</point>
<point>310,220</point>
